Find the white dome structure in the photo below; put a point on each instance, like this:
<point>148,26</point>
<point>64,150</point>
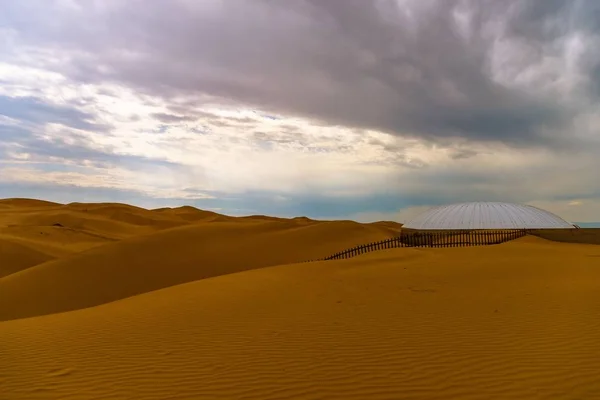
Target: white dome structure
<point>486,215</point>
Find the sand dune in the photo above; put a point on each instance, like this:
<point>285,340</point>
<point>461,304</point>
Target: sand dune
<point>125,213</point>
<point>111,301</point>
<point>28,203</point>
<point>512,321</point>
<point>61,230</point>
<point>15,257</point>
<point>141,264</point>
<point>80,221</point>
<point>192,214</point>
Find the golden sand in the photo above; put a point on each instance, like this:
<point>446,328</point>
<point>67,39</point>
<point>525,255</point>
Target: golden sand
<point>518,320</point>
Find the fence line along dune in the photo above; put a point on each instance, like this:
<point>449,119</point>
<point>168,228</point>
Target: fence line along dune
<point>412,238</point>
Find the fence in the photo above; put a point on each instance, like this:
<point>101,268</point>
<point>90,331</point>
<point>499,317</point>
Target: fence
<point>433,239</point>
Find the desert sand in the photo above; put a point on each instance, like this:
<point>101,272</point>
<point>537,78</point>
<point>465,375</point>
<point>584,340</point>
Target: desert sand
<point>110,301</point>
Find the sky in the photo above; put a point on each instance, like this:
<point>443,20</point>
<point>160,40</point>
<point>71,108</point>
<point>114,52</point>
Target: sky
<point>332,109</point>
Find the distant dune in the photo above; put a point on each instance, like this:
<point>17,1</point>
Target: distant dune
<point>148,262</point>
<point>220,307</point>
<point>27,203</point>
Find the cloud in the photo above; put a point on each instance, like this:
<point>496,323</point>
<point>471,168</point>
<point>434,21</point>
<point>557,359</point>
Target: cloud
<point>434,70</point>
<point>342,107</point>
<point>170,118</point>
<point>34,110</point>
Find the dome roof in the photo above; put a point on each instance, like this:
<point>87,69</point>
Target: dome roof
<point>487,215</point>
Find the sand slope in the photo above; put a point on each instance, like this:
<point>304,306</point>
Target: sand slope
<point>149,262</point>
<point>61,230</point>
<point>15,257</point>
<point>512,321</point>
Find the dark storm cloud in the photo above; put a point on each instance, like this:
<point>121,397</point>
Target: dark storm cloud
<point>34,110</point>
<point>404,67</point>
